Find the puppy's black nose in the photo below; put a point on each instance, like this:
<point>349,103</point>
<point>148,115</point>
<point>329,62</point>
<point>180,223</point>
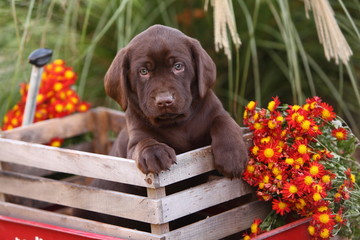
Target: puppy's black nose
<point>164,99</point>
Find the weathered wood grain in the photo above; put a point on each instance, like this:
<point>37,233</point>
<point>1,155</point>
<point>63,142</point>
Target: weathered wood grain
<point>223,224</point>
<point>83,197</point>
<point>43,132</point>
<point>203,196</point>
<point>116,119</point>
<point>71,161</point>
<point>101,131</point>
<point>2,196</point>
<point>189,164</point>
<point>158,193</point>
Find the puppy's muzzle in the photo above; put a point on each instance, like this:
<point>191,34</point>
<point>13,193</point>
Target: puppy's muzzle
<point>164,100</point>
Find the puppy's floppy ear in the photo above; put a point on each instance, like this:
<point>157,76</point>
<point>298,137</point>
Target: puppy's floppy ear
<point>115,81</point>
<point>205,68</point>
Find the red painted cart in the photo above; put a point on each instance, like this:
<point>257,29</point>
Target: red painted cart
<point>296,230</point>
<point>19,229</point>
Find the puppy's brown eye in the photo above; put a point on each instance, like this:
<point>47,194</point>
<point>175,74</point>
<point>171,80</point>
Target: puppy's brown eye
<point>143,71</point>
<point>178,66</point>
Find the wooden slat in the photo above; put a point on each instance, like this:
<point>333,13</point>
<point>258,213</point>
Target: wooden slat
<point>223,224</point>
<point>16,211</point>
<point>2,196</point>
<point>101,141</point>
<point>43,205</point>
<point>73,162</point>
<point>203,196</point>
<point>43,132</point>
<point>158,193</point>
<point>189,164</point>
<point>116,169</point>
<point>116,119</point>
<point>84,197</point>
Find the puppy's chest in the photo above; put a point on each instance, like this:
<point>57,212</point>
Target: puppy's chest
<point>186,139</point>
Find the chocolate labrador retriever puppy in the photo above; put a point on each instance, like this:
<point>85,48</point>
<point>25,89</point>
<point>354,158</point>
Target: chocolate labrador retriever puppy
<point>162,80</point>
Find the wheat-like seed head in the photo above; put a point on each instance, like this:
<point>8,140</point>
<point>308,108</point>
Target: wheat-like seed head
<point>224,19</point>
<point>330,35</point>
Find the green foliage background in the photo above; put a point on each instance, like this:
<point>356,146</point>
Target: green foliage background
<point>280,53</point>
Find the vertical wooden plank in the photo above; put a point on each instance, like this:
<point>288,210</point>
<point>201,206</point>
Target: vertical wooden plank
<point>2,196</point>
<point>101,128</point>
<point>157,193</point>
<point>116,120</point>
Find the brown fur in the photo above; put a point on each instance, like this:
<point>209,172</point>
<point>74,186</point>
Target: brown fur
<point>163,79</point>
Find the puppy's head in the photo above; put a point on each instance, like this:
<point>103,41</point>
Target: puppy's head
<point>159,74</point>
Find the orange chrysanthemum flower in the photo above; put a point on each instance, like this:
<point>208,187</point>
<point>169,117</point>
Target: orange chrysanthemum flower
<point>316,169</point>
<point>280,207</point>
<point>56,142</point>
<point>326,219</point>
<point>251,106</point>
<point>291,190</point>
<point>327,112</point>
<point>269,153</point>
<point>305,183</point>
<point>300,203</point>
<point>273,104</point>
<point>246,237</point>
<point>325,233</point>
<point>254,228</point>
<point>340,133</point>
<point>311,230</point>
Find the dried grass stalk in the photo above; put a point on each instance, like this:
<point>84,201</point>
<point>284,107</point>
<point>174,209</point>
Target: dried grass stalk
<point>330,35</point>
<point>223,19</point>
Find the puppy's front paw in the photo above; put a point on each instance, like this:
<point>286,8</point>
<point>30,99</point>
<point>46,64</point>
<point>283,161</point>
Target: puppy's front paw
<point>155,158</point>
<point>231,158</point>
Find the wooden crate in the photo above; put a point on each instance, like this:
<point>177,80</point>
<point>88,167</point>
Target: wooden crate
<point>213,209</point>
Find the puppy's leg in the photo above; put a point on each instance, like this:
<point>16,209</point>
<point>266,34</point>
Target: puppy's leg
<point>228,146</point>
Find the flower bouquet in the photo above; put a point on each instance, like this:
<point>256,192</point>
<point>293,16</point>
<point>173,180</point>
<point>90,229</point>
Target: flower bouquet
<point>56,98</point>
<point>301,162</point>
